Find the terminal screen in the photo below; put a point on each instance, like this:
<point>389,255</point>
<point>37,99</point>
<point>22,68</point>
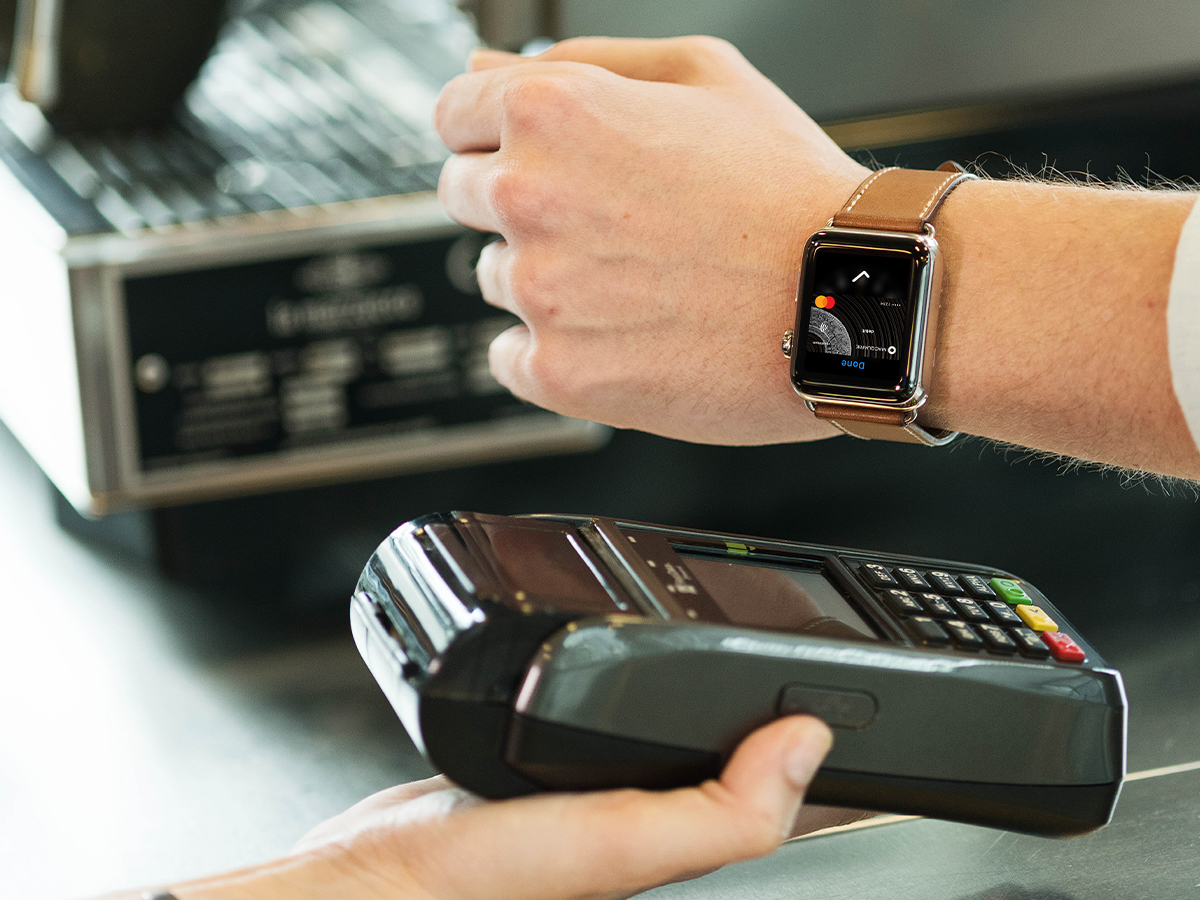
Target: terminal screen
<point>778,598</point>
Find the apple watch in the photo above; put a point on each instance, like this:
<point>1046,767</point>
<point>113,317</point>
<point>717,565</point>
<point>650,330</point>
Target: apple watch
<point>866,308</point>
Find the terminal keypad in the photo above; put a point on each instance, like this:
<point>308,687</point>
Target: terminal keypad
<point>994,615</point>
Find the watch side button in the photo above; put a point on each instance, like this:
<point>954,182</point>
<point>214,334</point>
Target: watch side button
<point>788,344</point>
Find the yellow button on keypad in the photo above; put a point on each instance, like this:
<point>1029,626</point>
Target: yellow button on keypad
<point>1036,618</point>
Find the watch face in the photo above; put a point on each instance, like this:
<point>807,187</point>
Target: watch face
<point>862,308</point>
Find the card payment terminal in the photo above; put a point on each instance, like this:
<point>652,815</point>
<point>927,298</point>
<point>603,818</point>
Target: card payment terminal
<point>542,653</point>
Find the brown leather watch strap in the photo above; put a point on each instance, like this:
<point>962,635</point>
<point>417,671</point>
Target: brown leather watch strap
<point>902,200</point>
<point>899,199</point>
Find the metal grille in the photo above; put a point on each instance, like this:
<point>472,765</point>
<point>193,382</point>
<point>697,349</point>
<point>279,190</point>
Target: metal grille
<point>301,104</point>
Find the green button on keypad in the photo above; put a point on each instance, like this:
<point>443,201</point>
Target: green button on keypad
<point>1010,591</point>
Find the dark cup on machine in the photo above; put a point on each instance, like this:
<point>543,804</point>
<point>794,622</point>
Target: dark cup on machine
<point>99,64</point>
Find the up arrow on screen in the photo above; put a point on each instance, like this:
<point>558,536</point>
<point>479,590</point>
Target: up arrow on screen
<point>862,274</point>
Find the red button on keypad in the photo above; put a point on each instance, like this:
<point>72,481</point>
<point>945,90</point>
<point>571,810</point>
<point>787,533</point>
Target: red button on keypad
<point>1062,647</point>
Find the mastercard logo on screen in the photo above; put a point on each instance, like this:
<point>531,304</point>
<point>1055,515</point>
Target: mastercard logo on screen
<point>824,302</point>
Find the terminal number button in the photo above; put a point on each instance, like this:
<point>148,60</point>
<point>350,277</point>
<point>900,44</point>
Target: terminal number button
<point>1035,617</point>
<point>944,582</point>
<point>1011,592</point>
<point>912,578</point>
<point>1062,647</point>
<point>963,634</point>
<point>1030,643</point>
<point>997,639</point>
<point>878,575</point>
<point>1003,612</point>
<point>938,606</point>
<point>927,631</point>
<point>903,602</point>
<point>972,611</point>
<point>977,587</point>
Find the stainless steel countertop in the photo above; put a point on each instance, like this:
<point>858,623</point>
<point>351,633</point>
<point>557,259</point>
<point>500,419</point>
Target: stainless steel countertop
<point>151,734</point>
<point>1151,850</point>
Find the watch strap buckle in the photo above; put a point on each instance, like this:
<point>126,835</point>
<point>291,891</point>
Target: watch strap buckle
<point>872,423</point>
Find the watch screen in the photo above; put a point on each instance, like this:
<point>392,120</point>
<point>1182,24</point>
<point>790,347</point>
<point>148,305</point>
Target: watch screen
<point>859,315</point>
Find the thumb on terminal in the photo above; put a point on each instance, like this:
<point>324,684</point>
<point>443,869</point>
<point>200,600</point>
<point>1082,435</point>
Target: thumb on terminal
<point>806,752</point>
<point>771,770</point>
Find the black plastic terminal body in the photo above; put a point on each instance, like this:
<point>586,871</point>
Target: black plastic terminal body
<point>459,648</point>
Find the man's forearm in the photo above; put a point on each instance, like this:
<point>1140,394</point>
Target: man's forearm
<point>1053,330</point>
<point>301,877</point>
<point>654,268</point>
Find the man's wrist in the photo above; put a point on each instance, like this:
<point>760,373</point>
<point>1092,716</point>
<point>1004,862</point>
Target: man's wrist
<point>879,259</point>
<point>1053,328</point>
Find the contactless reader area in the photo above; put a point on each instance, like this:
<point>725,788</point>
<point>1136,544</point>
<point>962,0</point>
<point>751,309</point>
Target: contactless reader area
<point>555,568</point>
<point>538,653</point>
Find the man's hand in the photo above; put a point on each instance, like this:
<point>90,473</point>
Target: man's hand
<point>653,197</point>
<point>432,840</point>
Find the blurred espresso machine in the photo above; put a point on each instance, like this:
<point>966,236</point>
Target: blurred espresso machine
<point>225,270</point>
<point>244,342</point>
